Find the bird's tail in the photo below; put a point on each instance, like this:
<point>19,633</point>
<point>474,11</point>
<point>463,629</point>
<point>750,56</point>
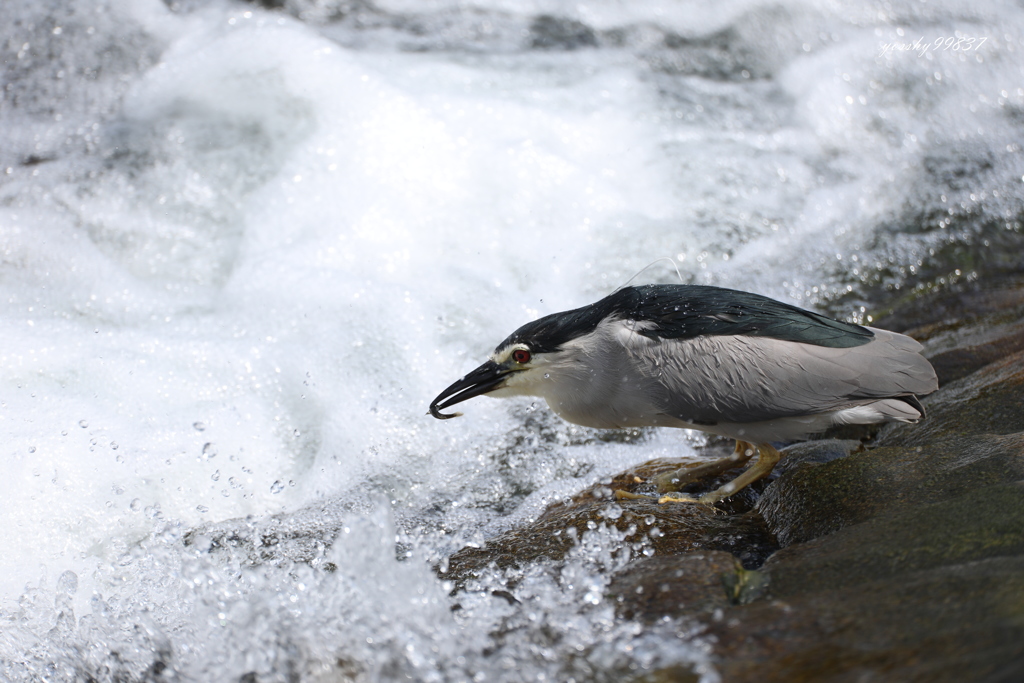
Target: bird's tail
<point>901,409</point>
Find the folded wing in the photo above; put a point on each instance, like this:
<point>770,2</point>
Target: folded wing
<point>741,378</point>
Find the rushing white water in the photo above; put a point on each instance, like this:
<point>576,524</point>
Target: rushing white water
<point>243,248</point>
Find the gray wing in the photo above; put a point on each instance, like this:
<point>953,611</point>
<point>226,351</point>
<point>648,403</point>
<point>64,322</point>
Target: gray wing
<point>714,379</point>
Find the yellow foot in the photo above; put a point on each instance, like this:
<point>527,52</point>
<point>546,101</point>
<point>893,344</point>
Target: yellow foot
<point>707,499</point>
<point>620,495</point>
<point>678,498</point>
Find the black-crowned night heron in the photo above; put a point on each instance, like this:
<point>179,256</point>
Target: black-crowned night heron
<point>731,363</point>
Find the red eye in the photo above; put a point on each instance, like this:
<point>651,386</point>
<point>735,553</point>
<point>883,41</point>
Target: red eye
<point>521,356</point>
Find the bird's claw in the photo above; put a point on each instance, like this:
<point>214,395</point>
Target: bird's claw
<point>685,498</point>
<point>677,498</point>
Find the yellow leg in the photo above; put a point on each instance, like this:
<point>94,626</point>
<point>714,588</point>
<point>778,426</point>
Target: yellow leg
<point>766,461</point>
<point>673,481</point>
<point>744,448</point>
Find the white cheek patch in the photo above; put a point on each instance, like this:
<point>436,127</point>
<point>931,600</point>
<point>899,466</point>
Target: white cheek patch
<point>524,383</point>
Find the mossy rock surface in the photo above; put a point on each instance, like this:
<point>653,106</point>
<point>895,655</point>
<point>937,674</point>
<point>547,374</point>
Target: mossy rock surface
<point>980,524</point>
<point>690,583</point>
<point>812,500</point>
<point>955,623</point>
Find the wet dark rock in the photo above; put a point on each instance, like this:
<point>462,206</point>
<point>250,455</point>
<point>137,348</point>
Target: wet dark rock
<point>689,583</point>
<point>980,524</point>
<point>815,500</point>
<point>962,622</point>
<point>960,362</point>
<point>970,306</point>
<point>816,453</point>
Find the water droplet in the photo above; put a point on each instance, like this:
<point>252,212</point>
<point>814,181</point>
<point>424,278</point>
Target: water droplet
<point>202,508</point>
<point>276,487</point>
<point>31,449</point>
<point>199,426</point>
<point>113,445</point>
<point>215,476</point>
<point>209,450</point>
<point>136,505</point>
<point>67,583</point>
<point>83,424</point>
<point>612,512</point>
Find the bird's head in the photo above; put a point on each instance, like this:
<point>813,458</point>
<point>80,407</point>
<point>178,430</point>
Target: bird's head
<point>514,369</point>
<point>539,358</point>
<point>529,360</point>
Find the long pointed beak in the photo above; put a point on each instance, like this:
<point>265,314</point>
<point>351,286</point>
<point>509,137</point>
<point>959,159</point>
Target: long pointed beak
<point>485,378</point>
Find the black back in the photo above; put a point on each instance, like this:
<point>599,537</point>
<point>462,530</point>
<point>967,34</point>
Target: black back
<point>687,311</point>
